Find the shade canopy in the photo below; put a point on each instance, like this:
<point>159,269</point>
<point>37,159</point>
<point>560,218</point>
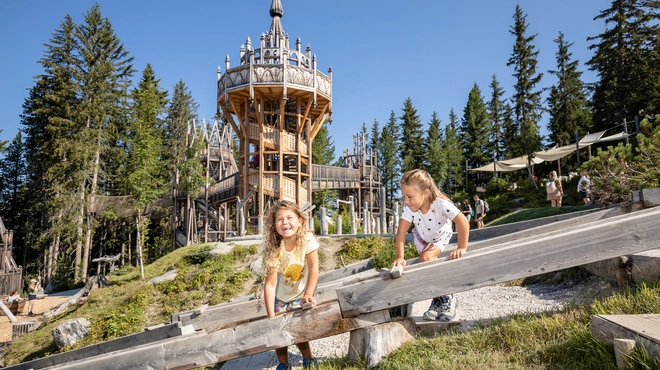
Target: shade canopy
<point>549,155</point>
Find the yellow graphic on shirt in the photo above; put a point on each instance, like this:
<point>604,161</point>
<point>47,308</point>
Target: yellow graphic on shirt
<point>293,273</point>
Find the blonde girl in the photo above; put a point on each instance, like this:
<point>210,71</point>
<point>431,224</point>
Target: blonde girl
<point>554,189</point>
<point>432,213</point>
<point>291,267</point>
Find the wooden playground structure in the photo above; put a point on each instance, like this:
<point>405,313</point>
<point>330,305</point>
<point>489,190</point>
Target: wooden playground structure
<point>274,103</point>
<point>11,275</point>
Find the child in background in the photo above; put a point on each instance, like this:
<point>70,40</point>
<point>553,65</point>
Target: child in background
<point>432,213</point>
<point>32,295</point>
<point>583,187</point>
<point>291,264</point>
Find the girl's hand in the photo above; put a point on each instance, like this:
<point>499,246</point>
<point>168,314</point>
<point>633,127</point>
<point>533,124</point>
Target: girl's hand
<point>457,253</point>
<point>308,298</point>
<point>399,261</point>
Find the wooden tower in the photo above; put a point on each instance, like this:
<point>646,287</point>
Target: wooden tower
<point>276,101</point>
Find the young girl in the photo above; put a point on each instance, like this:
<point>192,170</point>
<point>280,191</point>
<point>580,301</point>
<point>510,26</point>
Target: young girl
<point>291,264</point>
<point>432,212</point>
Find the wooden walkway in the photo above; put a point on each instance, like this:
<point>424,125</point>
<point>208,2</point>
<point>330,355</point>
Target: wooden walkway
<point>357,300</point>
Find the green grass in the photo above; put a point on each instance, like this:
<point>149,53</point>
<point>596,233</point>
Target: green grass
<point>534,213</point>
<point>128,304</point>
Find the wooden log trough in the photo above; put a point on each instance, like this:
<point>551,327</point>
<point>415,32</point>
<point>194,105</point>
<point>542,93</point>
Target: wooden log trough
<point>363,299</point>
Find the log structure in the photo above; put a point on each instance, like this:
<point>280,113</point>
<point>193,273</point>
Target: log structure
<point>348,302</point>
<point>11,275</point>
<point>276,100</point>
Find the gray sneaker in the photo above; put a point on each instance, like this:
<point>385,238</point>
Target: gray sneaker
<point>432,313</point>
<point>447,308</point>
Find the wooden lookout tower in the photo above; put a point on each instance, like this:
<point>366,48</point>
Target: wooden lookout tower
<point>276,101</point>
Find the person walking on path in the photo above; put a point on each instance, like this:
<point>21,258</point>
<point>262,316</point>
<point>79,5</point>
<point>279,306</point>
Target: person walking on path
<point>480,211</point>
<point>554,190</point>
<point>32,296</point>
<point>467,210</point>
<point>583,187</point>
<point>431,213</point>
<point>291,264</point>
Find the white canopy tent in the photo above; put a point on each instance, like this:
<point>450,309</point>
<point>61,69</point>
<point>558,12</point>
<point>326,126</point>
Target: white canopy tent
<point>549,155</point>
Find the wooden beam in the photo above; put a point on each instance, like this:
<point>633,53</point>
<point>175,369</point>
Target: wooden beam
<point>208,347</point>
<point>301,126</point>
<point>318,124</point>
<point>231,313</point>
<point>230,119</point>
<point>579,245</point>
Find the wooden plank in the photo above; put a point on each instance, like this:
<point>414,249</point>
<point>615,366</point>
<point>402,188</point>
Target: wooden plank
<point>643,329</point>
<point>148,336</point>
<point>544,253</point>
<point>229,314</point>
<point>211,346</point>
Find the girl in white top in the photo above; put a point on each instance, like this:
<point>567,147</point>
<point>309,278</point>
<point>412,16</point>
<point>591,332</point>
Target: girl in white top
<point>432,213</point>
<point>291,264</point>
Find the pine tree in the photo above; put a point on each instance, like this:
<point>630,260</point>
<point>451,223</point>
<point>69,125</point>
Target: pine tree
<point>181,112</point>
<point>497,111</point>
<point>567,101</point>
<point>374,143</point>
<point>454,153</point>
<point>145,141</point>
<point>626,61</point>
<point>103,68</point>
<point>475,132</point>
<point>12,179</point>
<point>389,159</point>
<point>323,153</point>
<point>437,160</point>
<point>526,100</point>
<point>412,141</point>
<point>3,145</point>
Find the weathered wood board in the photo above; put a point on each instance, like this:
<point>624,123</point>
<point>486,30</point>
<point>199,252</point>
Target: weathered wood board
<point>207,347</point>
<point>643,329</point>
<point>578,245</point>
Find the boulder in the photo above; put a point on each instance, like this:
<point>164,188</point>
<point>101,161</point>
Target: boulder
<point>69,332</point>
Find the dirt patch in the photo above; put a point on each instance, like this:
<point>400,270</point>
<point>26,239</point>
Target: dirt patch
<point>40,306</point>
<point>329,248</point>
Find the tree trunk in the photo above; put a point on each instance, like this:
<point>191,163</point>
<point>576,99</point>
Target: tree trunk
<point>91,200</point>
<point>138,220</point>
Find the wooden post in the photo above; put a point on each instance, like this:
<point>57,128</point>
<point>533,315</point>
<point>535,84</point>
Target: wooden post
<point>339,225</point>
<point>383,215</point>
<point>351,210</point>
<point>623,349</point>
<point>324,221</point>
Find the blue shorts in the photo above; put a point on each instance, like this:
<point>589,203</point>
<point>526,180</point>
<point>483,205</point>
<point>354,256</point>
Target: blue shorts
<point>281,306</point>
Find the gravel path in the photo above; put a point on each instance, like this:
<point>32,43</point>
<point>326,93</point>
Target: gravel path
<point>475,305</point>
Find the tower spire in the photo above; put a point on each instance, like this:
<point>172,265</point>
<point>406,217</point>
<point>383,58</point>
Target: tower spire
<point>276,11</point>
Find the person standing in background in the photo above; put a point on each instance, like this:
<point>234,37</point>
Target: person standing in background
<point>583,187</point>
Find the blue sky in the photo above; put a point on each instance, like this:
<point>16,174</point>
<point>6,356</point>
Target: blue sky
<point>381,51</point>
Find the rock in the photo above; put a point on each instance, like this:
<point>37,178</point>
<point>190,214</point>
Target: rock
<point>168,276</point>
<point>256,265</point>
<point>69,332</point>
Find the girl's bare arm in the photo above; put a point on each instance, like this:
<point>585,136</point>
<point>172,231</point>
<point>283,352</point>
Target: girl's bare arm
<point>270,286</point>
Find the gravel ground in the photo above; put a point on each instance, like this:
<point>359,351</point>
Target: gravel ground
<point>482,304</point>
